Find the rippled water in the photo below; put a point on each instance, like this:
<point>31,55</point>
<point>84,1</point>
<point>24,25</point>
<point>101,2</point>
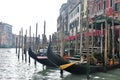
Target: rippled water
<point>13,69</point>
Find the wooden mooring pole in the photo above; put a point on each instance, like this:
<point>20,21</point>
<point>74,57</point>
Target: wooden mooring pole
<point>22,44</point>
<point>34,48</point>
<point>25,46</point>
<point>33,42</point>
<point>30,41</point>
<point>16,44</point>
<point>105,46</point>
<point>119,45</point>
<point>36,42</point>
<point>87,43</point>
<point>19,45</point>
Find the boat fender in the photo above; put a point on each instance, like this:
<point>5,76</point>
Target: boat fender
<point>111,62</point>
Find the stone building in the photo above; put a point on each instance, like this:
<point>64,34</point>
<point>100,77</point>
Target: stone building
<point>73,17</point>
<point>117,9</point>
<point>5,35</point>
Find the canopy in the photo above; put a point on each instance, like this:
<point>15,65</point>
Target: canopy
<point>101,19</point>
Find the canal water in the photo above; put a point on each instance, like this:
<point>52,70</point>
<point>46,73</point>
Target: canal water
<point>13,69</point>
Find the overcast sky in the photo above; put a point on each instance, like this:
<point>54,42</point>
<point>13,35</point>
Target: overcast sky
<point>25,13</point>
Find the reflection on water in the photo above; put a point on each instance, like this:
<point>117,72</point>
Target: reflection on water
<point>12,69</point>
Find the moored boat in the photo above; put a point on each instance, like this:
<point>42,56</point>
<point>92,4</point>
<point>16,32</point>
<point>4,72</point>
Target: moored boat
<point>76,67</point>
<point>41,58</point>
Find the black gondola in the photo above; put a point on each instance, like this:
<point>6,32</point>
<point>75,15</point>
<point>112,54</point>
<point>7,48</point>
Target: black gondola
<point>75,68</point>
<point>41,58</point>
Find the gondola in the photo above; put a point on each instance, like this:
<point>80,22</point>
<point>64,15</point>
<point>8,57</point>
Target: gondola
<point>75,67</point>
<point>41,58</point>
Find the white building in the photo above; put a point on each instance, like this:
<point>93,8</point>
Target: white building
<point>74,20</point>
<point>5,35</point>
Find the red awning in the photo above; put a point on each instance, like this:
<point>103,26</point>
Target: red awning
<point>94,32</point>
<point>72,38</point>
<point>66,38</point>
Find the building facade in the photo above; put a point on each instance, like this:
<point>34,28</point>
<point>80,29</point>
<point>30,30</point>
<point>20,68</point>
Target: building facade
<point>73,18</point>
<point>117,9</point>
<point>5,35</point>
<point>103,7</point>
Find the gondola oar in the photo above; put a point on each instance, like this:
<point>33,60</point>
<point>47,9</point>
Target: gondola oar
<point>64,66</point>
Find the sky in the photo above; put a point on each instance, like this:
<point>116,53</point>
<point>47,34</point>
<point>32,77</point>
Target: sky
<point>26,13</point>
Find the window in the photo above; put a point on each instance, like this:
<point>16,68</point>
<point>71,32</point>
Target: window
<point>104,4</point>
<point>90,10</point>
<point>95,8</point>
<point>99,6</point>
<point>82,7</point>
<point>77,9</point>
<point>111,3</point>
<point>117,7</point>
<point>116,18</point>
